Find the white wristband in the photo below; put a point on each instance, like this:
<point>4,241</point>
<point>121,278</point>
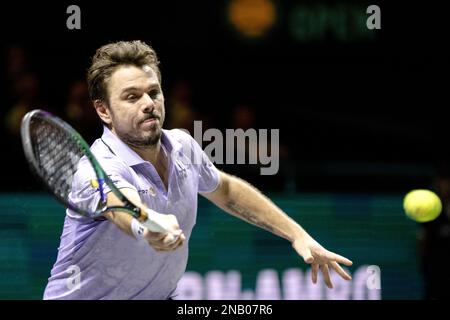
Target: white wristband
<point>137,228</point>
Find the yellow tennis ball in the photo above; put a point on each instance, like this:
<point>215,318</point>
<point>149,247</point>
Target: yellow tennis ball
<point>422,205</point>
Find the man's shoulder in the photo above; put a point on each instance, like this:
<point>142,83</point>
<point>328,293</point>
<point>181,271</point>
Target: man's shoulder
<point>180,136</point>
<point>190,147</point>
<point>101,150</point>
<point>106,156</point>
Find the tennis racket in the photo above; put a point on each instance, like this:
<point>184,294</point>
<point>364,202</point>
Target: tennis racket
<point>55,150</point>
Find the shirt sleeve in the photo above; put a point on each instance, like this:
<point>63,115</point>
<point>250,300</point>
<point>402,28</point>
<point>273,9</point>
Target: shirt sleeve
<point>85,193</point>
<point>209,175</point>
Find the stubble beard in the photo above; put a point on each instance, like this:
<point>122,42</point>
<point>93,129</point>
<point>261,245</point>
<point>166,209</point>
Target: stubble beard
<point>150,141</point>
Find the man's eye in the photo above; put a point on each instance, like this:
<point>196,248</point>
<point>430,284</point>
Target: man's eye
<point>154,94</point>
<point>131,97</point>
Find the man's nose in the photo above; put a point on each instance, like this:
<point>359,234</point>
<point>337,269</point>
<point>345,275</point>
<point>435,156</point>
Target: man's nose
<point>148,103</point>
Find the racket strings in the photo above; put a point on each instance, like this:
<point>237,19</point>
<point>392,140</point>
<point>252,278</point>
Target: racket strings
<point>57,155</point>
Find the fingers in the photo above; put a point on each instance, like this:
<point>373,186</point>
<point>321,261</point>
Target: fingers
<point>322,259</point>
<point>178,243</point>
<point>326,275</point>
<point>338,258</point>
<point>172,241</point>
<point>325,268</point>
<point>171,238</point>
<point>168,243</point>
<point>166,234</point>
<point>314,270</point>
<point>155,236</point>
<point>336,267</point>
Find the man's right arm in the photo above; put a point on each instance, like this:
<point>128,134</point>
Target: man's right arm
<point>123,220</point>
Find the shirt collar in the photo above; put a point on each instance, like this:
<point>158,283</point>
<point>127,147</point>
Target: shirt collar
<point>131,158</point>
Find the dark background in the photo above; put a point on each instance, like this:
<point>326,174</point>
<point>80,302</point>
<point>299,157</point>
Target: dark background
<point>374,102</point>
<point>362,113</point>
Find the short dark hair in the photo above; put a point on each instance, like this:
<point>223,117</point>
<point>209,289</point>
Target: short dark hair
<point>113,55</point>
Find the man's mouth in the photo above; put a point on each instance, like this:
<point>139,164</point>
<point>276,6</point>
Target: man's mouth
<point>150,120</point>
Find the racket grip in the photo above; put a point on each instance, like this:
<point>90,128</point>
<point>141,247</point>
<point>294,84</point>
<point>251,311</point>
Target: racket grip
<point>154,223</point>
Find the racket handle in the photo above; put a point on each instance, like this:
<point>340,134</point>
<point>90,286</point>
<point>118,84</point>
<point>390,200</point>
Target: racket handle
<point>154,222</point>
<point>154,226</point>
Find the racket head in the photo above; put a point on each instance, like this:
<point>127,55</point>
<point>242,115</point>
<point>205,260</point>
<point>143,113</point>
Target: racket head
<point>54,151</point>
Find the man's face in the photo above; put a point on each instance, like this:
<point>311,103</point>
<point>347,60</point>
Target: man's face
<point>136,105</point>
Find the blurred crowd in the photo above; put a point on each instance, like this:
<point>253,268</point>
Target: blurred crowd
<point>25,90</point>
<point>318,150</point>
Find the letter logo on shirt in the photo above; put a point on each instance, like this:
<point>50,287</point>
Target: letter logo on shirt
<point>183,173</point>
<point>152,191</point>
<point>94,183</point>
<point>73,282</point>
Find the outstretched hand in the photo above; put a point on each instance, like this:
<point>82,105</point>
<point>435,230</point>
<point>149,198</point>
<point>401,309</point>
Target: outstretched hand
<point>320,258</point>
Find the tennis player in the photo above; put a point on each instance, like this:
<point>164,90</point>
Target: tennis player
<point>118,258</point>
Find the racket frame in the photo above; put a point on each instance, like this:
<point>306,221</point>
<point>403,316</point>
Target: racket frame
<point>102,178</point>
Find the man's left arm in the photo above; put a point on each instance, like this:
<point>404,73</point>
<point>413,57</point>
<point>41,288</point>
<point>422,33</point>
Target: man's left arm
<point>244,201</point>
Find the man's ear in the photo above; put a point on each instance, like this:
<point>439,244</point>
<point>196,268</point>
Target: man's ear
<point>103,111</point>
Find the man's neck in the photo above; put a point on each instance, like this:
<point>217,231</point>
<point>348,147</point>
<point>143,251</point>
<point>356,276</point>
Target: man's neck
<point>158,158</point>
